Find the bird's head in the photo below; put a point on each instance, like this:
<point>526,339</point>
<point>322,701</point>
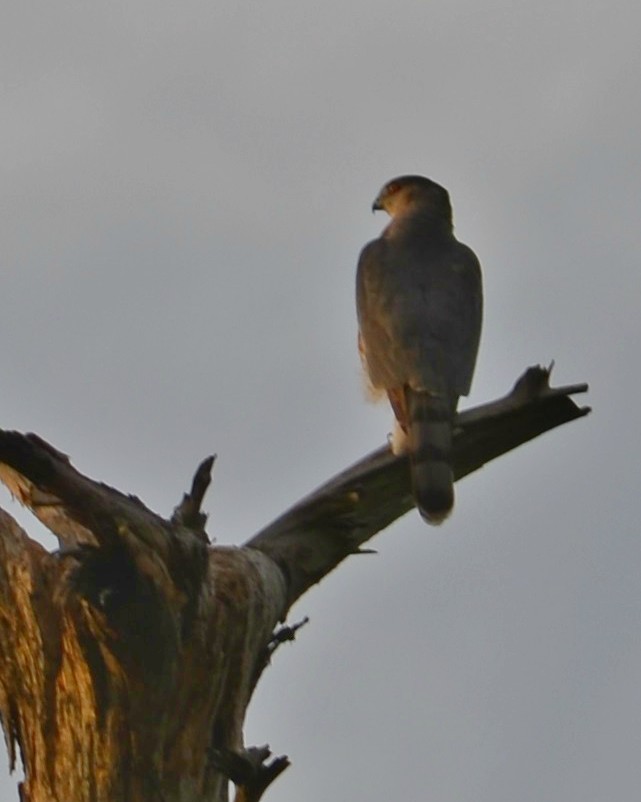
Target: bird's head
<point>410,192</point>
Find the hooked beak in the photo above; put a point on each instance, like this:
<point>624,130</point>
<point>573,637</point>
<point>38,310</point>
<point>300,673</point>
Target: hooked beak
<point>377,206</point>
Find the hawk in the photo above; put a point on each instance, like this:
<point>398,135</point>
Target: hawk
<point>419,301</point>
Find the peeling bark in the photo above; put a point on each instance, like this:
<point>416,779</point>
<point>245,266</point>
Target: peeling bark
<point>128,657</point>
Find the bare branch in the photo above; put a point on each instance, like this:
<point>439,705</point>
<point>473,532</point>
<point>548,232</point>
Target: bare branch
<point>284,634</point>
<point>317,533</point>
<point>249,771</point>
<point>75,508</point>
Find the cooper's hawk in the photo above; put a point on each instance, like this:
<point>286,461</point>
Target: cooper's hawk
<point>419,301</point>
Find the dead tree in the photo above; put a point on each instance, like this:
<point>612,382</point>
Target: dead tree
<point>129,656</point>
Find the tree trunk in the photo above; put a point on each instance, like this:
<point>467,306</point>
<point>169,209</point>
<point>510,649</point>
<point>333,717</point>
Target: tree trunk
<point>129,656</point>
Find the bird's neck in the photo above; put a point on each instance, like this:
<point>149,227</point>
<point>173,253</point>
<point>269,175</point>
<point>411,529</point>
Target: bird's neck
<point>420,222</point>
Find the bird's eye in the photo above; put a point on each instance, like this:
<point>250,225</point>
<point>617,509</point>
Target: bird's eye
<point>392,188</point>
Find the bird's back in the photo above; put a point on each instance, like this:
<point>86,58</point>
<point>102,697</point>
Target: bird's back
<point>419,302</point>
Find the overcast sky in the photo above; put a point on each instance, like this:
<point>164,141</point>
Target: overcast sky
<point>185,190</point>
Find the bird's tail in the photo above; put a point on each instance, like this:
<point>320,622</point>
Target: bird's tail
<point>430,447</point>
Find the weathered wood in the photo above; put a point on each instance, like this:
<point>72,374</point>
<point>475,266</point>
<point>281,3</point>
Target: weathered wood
<point>128,658</point>
<point>124,659</point>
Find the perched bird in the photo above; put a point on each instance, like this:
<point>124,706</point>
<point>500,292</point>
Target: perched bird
<point>420,302</point>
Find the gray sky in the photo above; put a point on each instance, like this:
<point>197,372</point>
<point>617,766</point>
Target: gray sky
<point>185,189</point>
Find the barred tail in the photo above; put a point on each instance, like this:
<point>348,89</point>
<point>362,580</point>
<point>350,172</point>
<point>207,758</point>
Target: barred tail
<point>430,447</point>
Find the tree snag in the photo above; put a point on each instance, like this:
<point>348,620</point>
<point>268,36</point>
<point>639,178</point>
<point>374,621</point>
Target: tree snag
<point>129,656</point>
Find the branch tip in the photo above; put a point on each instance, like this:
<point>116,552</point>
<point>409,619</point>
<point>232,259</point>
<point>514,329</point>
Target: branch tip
<point>188,512</point>
<point>284,634</point>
